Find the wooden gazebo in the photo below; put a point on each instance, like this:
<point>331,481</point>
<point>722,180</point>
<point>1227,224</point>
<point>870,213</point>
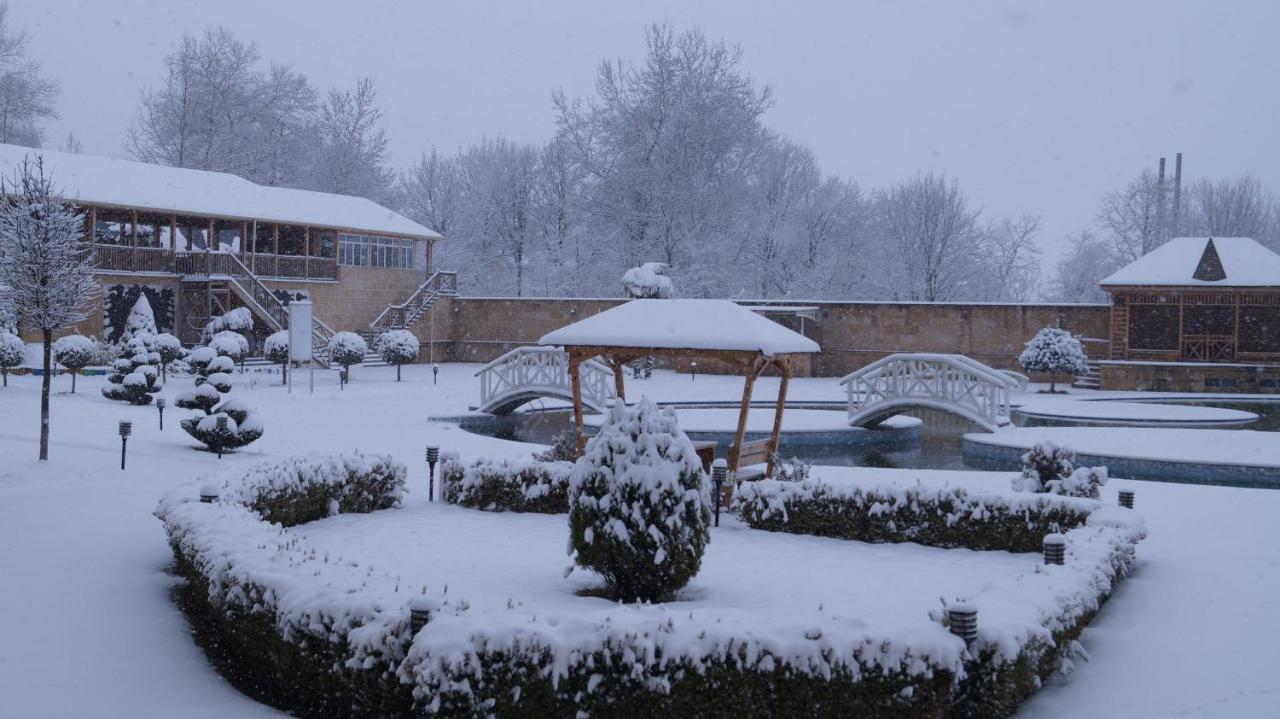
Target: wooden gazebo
<point>716,331</point>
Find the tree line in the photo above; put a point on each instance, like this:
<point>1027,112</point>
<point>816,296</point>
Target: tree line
<point>668,160</point>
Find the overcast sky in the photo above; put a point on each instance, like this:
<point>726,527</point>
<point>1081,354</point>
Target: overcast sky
<point>1036,107</point>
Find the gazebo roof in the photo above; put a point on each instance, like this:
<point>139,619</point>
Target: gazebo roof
<point>1202,262</point>
<point>706,325</point>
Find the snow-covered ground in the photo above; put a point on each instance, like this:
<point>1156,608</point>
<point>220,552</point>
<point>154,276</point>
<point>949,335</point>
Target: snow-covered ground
<point>89,629</point>
<point>1130,412</point>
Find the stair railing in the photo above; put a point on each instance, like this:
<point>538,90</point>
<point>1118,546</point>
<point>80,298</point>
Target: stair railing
<point>406,313</point>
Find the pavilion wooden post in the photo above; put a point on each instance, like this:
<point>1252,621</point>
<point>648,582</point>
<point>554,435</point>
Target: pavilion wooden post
<point>747,385</point>
<point>580,439</point>
<point>619,383</point>
<point>784,369</point>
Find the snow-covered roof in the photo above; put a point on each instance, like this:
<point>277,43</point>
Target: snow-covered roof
<point>1244,262</point>
<point>682,324</point>
<point>125,183</point>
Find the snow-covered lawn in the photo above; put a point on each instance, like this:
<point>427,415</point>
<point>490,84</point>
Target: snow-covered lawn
<point>89,629</point>
<point>1130,412</point>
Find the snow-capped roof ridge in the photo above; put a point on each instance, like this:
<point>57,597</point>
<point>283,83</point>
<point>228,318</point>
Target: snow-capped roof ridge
<point>1195,261</point>
<point>128,183</point>
<point>683,324</point>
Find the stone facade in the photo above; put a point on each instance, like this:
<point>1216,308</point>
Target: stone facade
<point>1190,377</point>
<point>852,334</point>
<point>357,297</point>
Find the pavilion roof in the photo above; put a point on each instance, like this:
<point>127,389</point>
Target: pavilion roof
<point>682,324</point>
<point>1196,261</point>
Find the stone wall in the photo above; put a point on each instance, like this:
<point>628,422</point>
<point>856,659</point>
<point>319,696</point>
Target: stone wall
<point>1189,377</point>
<point>852,334</point>
<point>357,297</point>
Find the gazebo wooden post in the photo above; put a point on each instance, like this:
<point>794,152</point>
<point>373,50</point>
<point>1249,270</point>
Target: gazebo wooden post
<point>580,439</point>
<point>784,369</point>
<point>619,383</point>
<point>747,385</point>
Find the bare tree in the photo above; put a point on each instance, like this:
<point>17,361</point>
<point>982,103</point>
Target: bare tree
<point>1076,276</point>
<point>351,156</point>
<point>26,97</point>
<point>1013,259</point>
<point>1138,218</point>
<point>1233,208</point>
<point>428,192</point>
<point>932,237</point>
<point>45,264</point>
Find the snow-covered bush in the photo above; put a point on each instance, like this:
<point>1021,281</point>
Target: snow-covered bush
<point>170,350</point>
<point>648,281</point>
<point>241,427</point>
<point>228,343</point>
<point>276,349</point>
<point>639,504</point>
<point>141,321</point>
<point>934,516</point>
<point>346,349</point>
<point>790,470</point>
<point>304,489</point>
<point>564,448</point>
<point>397,347</point>
<point>1045,462</point>
<point>13,351</point>
<point>133,376</point>
<point>75,352</point>
<point>1054,350</point>
<point>508,486</point>
<point>238,320</point>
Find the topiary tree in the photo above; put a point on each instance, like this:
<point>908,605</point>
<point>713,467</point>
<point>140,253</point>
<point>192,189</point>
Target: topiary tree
<point>276,349</point>
<point>398,347</point>
<point>229,343</point>
<point>170,350</point>
<point>1054,350</point>
<point>639,504</point>
<point>75,352</point>
<point>347,348</point>
<point>13,351</point>
<point>213,380</point>
<point>141,321</point>
<point>239,429</point>
<point>134,374</point>
<point>238,320</point>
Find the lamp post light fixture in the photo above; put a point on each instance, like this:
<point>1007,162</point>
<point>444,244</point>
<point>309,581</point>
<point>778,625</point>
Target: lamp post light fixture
<point>433,456</point>
<point>222,432</point>
<point>126,429</point>
<point>693,376</point>
<point>160,406</point>
<point>209,493</point>
<point>719,470</point>
<point>435,373</point>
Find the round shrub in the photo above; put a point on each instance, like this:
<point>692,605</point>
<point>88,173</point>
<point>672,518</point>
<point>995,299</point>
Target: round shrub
<point>75,352</point>
<point>12,353</point>
<point>230,344</point>
<point>1054,350</point>
<point>347,348</point>
<point>276,349</point>
<point>170,349</point>
<point>639,504</point>
<point>398,347</point>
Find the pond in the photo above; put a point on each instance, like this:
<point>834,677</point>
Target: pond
<point>938,444</point>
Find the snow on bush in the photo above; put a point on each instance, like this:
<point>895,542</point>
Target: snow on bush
<point>170,350</point>
<point>304,489</point>
<point>1054,350</point>
<point>347,348</point>
<point>133,376</point>
<point>141,321</point>
<point>75,352</point>
<point>240,428</point>
<point>508,486</point>
<point>639,504</point>
<point>231,344</point>
<point>397,347</point>
<point>276,349</point>
<point>648,281</point>
<point>1048,468</point>
<point>238,320</point>
<point>934,516</point>
<point>13,351</point>
<point>564,448</point>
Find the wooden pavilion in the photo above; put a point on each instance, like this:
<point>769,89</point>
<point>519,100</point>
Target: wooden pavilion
<point>1198,299</point>
<point>716,331</point>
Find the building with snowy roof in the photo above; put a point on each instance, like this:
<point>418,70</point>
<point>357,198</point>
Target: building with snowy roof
<point>200,244</point>
<point>1198,299</point>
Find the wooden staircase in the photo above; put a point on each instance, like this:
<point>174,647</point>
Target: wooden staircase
<point>405,315</point>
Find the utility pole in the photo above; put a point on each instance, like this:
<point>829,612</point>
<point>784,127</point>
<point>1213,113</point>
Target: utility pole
<point>1177,194</point>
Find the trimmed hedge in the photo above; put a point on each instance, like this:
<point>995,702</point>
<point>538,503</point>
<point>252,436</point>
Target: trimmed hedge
<point>533,486</point>
<point>937,517</point>
<point>304,489</point>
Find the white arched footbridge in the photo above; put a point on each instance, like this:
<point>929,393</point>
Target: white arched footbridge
<point>947,382</point>
<point>528,373</point>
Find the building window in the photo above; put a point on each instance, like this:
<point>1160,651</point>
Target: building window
<point>363,250</point>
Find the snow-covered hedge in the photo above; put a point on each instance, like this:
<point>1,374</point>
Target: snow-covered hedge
<point>508,486</point>
<point>936,516</point>
<point>304,489</point>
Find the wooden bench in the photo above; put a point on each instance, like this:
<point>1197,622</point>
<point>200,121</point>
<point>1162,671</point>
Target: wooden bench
<point>753,462</point>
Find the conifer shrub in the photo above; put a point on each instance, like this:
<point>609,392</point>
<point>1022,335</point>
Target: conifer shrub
<point>639,504</point>
<point>133,376</point>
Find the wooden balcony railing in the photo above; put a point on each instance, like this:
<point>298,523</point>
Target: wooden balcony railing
<point>121,258</point>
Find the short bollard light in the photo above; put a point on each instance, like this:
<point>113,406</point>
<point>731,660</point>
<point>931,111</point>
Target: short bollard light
<point>420,611</point>
<point>693,374</point>
<point>209,493</point>
<point>1126,498</point>
<point>963,620</point>
<point>1055,549</point>
<point>719,470</point>
<point>435,373</point>
<point>433,456</point>
<point>160,406</point>
<point>222,432</point>
<point>126,429</point>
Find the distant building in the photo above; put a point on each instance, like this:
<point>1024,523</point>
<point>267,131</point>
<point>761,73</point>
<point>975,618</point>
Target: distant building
<point>199,244</point>
<point>1199,300</point>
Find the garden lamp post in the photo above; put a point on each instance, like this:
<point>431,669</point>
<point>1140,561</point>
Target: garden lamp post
<point>160,406</point>
<point>693,376</point>
<point>126,429</point>
<point>433,456</point>
<point>719,469</point>
<point>222,432</point>
<point>435,373</point>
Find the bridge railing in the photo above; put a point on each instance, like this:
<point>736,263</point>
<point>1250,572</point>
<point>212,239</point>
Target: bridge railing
<point>533,371</point>
<point>942,380</point>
